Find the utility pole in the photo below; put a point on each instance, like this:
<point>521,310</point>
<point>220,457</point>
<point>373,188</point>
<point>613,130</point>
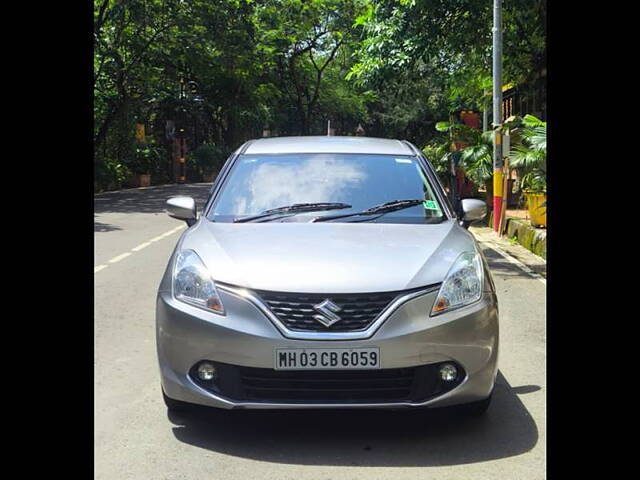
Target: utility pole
<point>497,113</point>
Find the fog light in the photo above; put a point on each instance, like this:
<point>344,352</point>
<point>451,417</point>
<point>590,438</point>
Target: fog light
<point>206,371</point>
<point>448,372</point>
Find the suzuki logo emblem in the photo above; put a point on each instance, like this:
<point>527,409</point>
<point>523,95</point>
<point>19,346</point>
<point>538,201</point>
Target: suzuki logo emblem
<point>328,311</point>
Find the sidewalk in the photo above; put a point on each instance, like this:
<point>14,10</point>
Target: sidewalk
<point>517,213</point>
<point>521,214</point>
<point>137,189</point>
<point>490,238</point>
<point>518,228</point>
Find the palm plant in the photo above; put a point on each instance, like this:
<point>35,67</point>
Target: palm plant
<point>440,156</point>
<point>529,153</point>
<point>477,157</point>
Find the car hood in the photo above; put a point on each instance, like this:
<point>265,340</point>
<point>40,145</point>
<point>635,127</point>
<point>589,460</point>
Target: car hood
<point>328,257</point>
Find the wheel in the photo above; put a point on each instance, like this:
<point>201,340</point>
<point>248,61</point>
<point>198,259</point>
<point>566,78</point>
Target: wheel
<point>175,405</point>
<point>475,409</point>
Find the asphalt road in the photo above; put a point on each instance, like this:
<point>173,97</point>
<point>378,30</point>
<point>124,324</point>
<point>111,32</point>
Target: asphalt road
<point>136,439</point>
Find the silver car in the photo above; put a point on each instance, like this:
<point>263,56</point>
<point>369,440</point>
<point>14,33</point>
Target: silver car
<point>327,272</point>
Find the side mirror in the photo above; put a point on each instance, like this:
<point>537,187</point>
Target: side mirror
<point>473,209</point>
<point>182,208</point>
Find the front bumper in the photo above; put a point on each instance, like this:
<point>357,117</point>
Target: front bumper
<point>245,337</point>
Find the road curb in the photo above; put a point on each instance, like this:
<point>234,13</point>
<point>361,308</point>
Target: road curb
<point>164,185</point>
<point>492,241</point>
<point>531,238</point>
<point>125,190</point>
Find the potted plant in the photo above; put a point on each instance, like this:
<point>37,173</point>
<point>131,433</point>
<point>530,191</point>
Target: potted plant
<point>529,156</point>
<point>536,198</point>
<point>143,159</point>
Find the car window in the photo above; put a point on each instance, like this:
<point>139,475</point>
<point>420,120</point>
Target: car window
<point>261,182</point>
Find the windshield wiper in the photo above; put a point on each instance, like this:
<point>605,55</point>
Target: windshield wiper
<point>375,210</point>
<point>295,208</point>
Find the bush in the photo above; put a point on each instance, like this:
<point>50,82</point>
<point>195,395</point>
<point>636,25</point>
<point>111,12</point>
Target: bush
<point>110,175</point>
<point>145,158</point>
<point>207,159</point>
<point>162,169</point>
<point>529,153</point>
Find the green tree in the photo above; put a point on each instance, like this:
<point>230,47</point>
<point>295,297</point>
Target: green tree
<point>454,37</point>
<point>225,70</point>
<point>301,40</point>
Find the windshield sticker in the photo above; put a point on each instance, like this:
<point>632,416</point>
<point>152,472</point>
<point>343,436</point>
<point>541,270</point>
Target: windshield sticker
<point>430,205</point>
<point>403,160</point>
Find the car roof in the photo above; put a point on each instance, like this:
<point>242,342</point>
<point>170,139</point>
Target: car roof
<point>328,144</point>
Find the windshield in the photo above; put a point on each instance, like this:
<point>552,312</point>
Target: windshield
<point>258,183</point>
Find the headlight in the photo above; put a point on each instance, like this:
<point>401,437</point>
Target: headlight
<point>192,283</point>
<point>462,284</point>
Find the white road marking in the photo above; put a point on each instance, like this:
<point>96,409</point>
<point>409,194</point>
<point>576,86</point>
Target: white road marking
<point>141,246</point>
<point>119,257</point>
<point>116,259</point>
<point>166,234</point>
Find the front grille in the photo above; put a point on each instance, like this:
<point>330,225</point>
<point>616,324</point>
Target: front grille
<point>327,386</point>
<point>357,311</point>
<point>265,385</point>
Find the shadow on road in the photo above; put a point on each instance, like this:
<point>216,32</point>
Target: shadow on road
<point>500,267</point>
<point>150,200</point>
<point>104,227</point>
<point>365,438</point>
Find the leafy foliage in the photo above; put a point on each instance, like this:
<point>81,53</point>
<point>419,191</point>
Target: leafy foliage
<point>477,157</point>
<point>529,154</point>
<point>454,38</point>
<point>145,156</point>
<point>209,158</point>
<point>224,71</point>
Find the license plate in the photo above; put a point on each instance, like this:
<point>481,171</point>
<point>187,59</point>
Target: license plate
<point>326,358</point>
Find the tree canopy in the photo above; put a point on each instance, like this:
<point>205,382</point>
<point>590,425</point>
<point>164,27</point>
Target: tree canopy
<point>453,39</point>
<point>227,70</point>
